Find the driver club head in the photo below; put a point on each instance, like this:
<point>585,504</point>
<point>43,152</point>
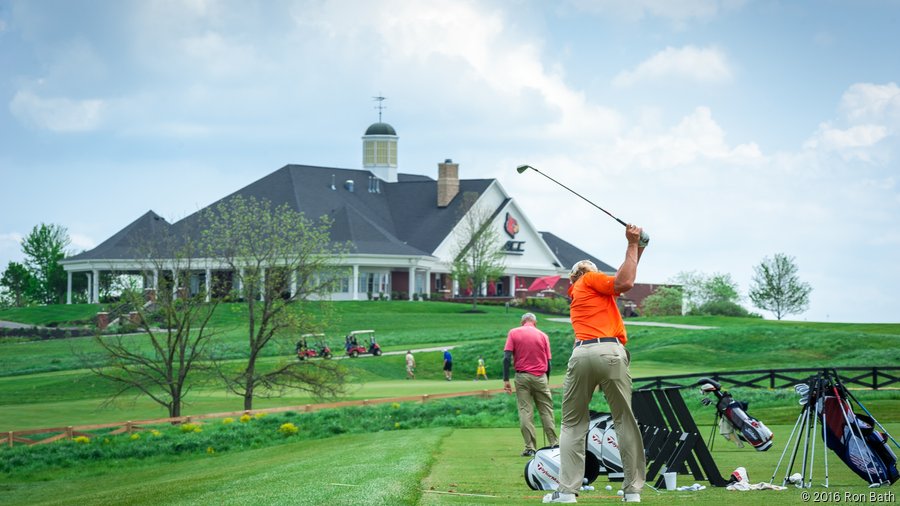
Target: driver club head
<point>522,168</point>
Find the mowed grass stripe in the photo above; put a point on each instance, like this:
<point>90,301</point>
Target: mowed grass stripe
<point>363,468</point>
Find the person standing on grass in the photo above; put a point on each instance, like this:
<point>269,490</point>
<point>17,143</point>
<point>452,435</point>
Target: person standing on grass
<point>410,365</point>
<point>480,371</point>
<point>600,359</point>
<point>530,349</point>
<point>448,365</point>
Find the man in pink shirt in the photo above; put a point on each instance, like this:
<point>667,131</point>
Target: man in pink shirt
<point>531,349</point>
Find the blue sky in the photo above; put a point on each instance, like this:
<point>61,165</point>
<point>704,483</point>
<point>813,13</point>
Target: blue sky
<point>731,130</point>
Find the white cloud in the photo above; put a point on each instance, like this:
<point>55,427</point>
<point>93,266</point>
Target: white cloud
<point>11,237</point>
<point>80,242</point>
<point>57,114</point>
<point>701,65</point>
<point>880,103</point>
<point>680,12</point>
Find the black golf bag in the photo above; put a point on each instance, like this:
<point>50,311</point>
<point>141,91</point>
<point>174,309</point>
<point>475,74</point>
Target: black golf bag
<point>733,414</point>
<point>601,457</point>
<point>853,438</point>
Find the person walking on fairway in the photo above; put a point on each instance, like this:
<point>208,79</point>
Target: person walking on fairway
<point>600,359</point>
<point>480,371</point>
<point>448,365</point>
<point>530,349</point>
<point>410,365</point>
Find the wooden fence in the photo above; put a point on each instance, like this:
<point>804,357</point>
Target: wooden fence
<point>873,378</point>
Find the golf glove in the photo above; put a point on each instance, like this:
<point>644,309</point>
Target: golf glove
<point>645,239</point>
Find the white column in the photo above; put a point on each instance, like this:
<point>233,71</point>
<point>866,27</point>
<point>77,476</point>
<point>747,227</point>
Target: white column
<point>455,290</point>
<point>354,283</point>
<point>293,284</point>
<point>174,284</point>
<point>262,284</point>
<point>208,283</point>
<point>428,284</point>
<point>483,289</point>
<point>155,280</point>
<point>90,286</point>
<point>240,283</point>
<point>512,285</point>
<point>68,287</point>
<point>412,283</point>
<point>95,297</point>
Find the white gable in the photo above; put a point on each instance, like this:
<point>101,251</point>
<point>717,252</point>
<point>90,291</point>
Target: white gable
<point>527,253</point>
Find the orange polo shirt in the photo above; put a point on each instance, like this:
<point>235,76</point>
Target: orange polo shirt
<point>593,309</point>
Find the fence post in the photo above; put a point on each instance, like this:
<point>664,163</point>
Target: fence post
<point>128,427</point>
<point>69,432</point>
<point>424,398</point>
<point>771,379</point>
<point>874,378</point>
<point>10,439</point>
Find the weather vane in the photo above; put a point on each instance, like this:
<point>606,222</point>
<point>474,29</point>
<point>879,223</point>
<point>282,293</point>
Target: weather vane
<point>380,106</point>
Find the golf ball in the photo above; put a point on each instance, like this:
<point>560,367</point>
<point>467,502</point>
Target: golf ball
<point>620,492</point>
<point>609,487</point>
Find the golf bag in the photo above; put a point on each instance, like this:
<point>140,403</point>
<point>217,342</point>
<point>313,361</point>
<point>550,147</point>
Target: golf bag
<point>852,437</point>
<point>603,447</point>
<point>601,457</point>
<point>734,414</point>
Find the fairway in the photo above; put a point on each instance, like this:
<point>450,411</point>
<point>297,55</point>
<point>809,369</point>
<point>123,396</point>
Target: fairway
<point>422,466</point>
<point>459,451</point>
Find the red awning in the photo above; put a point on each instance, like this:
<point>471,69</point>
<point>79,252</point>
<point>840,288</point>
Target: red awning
<point>543,283</point>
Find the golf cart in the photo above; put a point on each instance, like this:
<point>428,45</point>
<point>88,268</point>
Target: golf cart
<point>354,348</point>
<point>324,349</point>
<point>303,350</point>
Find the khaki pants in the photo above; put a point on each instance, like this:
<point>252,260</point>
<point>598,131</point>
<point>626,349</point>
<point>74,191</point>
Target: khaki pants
<point>606,365</point>
<point>533,391</point>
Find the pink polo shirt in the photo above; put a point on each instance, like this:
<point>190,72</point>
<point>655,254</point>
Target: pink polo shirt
<point>530,347</point>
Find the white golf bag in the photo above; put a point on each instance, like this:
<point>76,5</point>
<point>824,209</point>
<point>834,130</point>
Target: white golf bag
<point>602,457</point>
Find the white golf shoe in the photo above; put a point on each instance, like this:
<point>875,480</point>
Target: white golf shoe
<point>560,497</point>
<point>631,498</point>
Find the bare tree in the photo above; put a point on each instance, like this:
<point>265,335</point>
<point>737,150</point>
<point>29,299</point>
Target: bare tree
<point>284,268</point>
<point>478,257</point>
<point>172,338</point>
<point>776,287</point>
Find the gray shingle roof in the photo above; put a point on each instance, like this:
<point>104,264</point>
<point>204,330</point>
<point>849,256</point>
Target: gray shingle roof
<point>126,243</point>
<point>568,254</point>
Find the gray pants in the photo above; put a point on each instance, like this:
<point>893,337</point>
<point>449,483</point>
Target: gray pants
<point>534,390</point>
<point>606,365</point>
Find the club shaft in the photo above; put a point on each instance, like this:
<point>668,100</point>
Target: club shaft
<point>580,196</point>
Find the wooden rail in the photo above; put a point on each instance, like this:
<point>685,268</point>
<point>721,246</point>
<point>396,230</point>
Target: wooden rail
<point>873,378</point>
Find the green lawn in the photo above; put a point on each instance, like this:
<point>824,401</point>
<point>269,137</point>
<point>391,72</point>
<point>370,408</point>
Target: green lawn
<point>46,384</point>
<point>423,466</point>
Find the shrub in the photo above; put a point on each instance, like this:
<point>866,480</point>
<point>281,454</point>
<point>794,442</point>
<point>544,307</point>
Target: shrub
<point>228,420</point>
<point>665,301</point>
<point>288,429</point>
<point>245,418</point>
<point>82,439</point>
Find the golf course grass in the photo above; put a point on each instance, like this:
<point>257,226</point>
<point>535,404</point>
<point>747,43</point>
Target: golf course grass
<point>455,457</point>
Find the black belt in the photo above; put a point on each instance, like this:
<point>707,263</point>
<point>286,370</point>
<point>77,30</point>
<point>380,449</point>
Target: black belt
<point>597,340</point>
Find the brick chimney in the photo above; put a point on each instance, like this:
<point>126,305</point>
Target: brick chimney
<point>448,182</point>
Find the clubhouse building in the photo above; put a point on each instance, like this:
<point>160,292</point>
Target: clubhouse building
<point>403,230</point>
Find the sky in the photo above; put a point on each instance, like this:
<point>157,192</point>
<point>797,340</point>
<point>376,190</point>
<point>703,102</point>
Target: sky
<point>731,130</point>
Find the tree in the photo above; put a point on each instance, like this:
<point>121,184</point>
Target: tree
<point>44,247</point>
<point>776,287</point>
<point>478,257</point>
<point>283,267</point>
<point>665,301</point>
<point>174,333</point>
<point>716,294</point>
<point>19,282</point>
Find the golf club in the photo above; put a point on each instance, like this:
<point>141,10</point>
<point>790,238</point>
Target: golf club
<point>645,237</point>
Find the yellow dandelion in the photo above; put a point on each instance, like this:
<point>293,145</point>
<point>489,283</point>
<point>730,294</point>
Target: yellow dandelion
<point>245,418</point>
<point>228,420</point>
<point>135,436</point>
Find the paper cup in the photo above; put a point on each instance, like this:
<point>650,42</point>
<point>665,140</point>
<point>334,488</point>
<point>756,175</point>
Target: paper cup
<point>670,480</point>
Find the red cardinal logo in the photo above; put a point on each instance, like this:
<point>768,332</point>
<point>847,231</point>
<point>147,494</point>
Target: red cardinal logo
<point>512,226</point>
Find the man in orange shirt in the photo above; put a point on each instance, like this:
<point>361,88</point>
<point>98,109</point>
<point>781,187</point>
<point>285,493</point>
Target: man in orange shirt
<point>600,359</point>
